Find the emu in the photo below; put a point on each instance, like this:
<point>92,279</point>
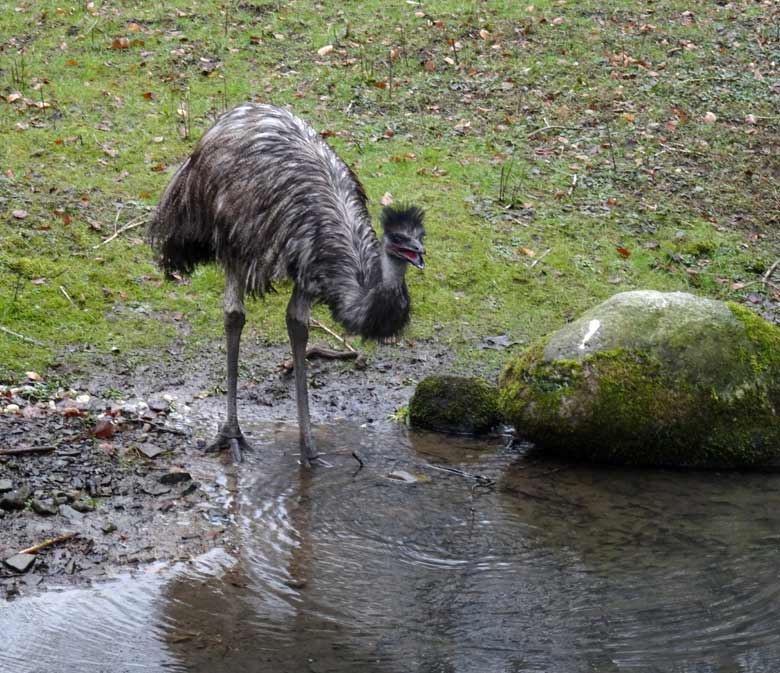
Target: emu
<point>264,196</point>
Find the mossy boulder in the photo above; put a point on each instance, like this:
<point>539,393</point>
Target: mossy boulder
<point>651,378</point>
<point>454,404</point>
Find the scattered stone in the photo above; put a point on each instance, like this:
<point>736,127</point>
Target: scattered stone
<point>84,505</point>
<point>16,499</point>
<point>70,514</point>
<point>175,477</point>
<point>153,488</point>
<point>6,485</point>
<point>455,404</point>
<point>44,507</point>
<point>159,405</point>
<point>149,450</point>
<point>108,527</point>
<point>20,563</point>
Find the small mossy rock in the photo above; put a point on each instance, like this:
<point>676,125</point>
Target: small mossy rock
<point>651,378</point>
<point>454,404</point>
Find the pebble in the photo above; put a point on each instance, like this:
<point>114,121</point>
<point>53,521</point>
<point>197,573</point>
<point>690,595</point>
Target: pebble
<point>16,499</point>
<point>159,405</point>
<point>44,507</point>
<point>108,527</point>
<point>155,489</point>
<point>21,563</point>
<point>70,514</point>
<point>6,485</point>
<point>149,450</point>
<point>83,505</point>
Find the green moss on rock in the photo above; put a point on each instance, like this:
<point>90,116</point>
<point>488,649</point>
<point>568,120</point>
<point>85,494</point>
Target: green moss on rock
<point>657,400</point>
<point>454,404</point>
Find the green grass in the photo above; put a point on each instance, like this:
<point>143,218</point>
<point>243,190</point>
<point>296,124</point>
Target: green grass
<point>628,186</point>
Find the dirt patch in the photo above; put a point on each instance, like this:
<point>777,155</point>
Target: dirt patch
<point>117,459</point>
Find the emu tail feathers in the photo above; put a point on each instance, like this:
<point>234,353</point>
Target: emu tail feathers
<point>175,233</point>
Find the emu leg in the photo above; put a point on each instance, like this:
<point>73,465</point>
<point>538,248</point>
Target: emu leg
<point>298,311</point>
<point>230,435</point>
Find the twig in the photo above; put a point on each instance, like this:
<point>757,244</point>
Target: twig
<point>327,329</point>
<point>26,449</point>
<point>21,336</point>
<point>540,258</point>
<point>130,225</point>
<point>550,128</point>
<point>48,543</point>
<point>481,479</point>
<point>574,179</point>
<point>157,426</point>
<point>67,296</point>
<point>769,272</point>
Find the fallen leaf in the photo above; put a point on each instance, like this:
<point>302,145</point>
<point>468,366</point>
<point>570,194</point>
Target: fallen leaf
<point>324,51</point>
<point>105,429</point>
<point>120,43</point>
<point>710,118</point>
<point>751,119</point>
<point>148,95</point>
<point>72,412</point>
<point>623,252</point>
<point>11,97</point>
<point>527,252</point>
<point>33,376</point>
<point>19,214</point>
<point>485,35</point>
<point>429,66</point>
<point>387,199</point>
<point>133,27</point>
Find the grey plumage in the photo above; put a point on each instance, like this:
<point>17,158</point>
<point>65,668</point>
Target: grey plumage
<point>267,198</point>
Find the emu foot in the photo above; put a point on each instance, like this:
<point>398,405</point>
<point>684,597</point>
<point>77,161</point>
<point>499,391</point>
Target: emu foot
<point>230,437</point>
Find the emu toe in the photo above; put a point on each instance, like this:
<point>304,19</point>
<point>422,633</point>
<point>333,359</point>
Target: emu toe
<point>230,438</point>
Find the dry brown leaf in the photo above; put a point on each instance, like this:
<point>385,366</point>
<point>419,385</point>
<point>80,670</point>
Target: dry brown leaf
<point>120,43</point>
<point>324,51</point>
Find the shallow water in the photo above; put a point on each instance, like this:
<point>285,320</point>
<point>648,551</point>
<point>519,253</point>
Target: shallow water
<point>555,567</point>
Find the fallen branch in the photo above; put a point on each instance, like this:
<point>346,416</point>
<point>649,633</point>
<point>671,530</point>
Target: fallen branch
<point>551,128</point>
<point>21,336</point>
<point>130,225</point>
<point>47,543</point>
<point>540,258</point>
<point>327,329</point>
<point>157,426</point>
<point>325,354</point>
<point>769,272</point>
<point>26,449</point>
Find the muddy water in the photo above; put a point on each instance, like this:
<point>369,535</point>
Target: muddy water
<point>405,566</point>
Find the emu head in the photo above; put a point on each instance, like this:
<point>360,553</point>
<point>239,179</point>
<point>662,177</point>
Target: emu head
<point>404,233</point>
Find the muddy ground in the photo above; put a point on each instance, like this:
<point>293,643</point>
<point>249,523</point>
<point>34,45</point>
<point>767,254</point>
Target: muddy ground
<point>117,459</point>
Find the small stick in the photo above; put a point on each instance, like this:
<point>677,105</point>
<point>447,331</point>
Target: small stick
<point>540,258</point>
<point>67,296</point>
<point>48,543</point>
<point>327,329</point>
<point>21,336</point>
<point>574,179</point>
<point>26,449</point>
<point>130,225</point>
<point>770,271</point>
<point>550,128</point>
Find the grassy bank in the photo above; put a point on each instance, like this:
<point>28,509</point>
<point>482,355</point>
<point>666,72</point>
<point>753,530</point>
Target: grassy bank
<point>562,151</point>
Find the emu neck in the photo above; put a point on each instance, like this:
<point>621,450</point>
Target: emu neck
<point>393,269</point>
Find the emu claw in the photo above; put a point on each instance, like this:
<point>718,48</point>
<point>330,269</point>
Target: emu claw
<point>230,438</point>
